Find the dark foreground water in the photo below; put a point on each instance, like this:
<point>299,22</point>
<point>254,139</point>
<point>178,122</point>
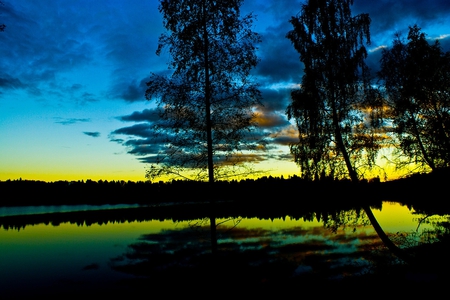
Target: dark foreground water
<point>118,257</point>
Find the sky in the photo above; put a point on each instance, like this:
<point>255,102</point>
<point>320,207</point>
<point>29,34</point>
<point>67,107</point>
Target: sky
<point>73,74</point>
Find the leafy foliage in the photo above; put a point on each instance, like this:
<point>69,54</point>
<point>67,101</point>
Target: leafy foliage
<point>415,76</point>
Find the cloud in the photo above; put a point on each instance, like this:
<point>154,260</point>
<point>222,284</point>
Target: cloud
<point>92,134</point>
<point>390,17</point>
<point>87,97</point>
<point>129,90</point>
<point>148,115</point>
<point>47,42</point>
<point>70,121</point>
<point>8,82</point>
<point>279,60</point>
<point>143,130</point>
<point>286,136</point>
<point>275,99</point>
<point>270,120</point>
<point>42,42</point>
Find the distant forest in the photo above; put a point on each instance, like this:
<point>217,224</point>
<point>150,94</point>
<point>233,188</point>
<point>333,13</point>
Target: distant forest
<point>265,190</point>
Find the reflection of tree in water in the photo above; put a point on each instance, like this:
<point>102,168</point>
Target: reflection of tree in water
<point>344,219</point>
<point>418,255</point>
<point>246,256</point>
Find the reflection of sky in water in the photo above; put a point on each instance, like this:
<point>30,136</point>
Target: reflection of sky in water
<point>74,256</point>
<point>29,210</point>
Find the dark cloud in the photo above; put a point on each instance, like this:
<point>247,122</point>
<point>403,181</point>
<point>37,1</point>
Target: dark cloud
<point>143,130</point>
<point>70,121</point>
<point>373,60</point>
<point>148,115</point>
<point>284,157</point>
<point>140,140</point>
<point>145,149</point>
<point>117,140</point>
<point>279,60</point>
<point>7,82</point>
<point>129,91</point>
<point>152,159</point>
<point>275,99</point>
<point>33,38</point>
<point>42,41</point>
<point>92,134</point>
<point>45,41</point>
<point>132,48</point>
<point>271,120</point>
<point>75,87</point>
<point>285,136</point>
<point>389,17</point>
<point>285,140</point>
<point>88,97</point>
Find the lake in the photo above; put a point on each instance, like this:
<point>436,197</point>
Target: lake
<point>54,257</point>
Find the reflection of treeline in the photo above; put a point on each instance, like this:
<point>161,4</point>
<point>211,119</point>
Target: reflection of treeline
<point>317,210</point>
<point>266,190</point>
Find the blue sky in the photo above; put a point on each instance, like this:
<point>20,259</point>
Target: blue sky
<point>73,74</point>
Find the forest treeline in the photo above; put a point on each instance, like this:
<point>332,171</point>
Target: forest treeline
<point>268,190</point>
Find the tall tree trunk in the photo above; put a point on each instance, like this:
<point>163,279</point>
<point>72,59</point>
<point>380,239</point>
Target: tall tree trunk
<point>209,131</point>
<point>207,98</point>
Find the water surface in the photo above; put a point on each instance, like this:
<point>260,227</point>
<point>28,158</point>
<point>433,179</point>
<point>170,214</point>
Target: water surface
<point>41,258</point>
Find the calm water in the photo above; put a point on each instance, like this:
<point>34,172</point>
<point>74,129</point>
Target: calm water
<point>43,257</point>
<point>31,210</point>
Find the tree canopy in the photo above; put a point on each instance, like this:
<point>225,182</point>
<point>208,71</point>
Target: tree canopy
<point>206,104</point>
<point>415,77</point>
<point>336,110</point>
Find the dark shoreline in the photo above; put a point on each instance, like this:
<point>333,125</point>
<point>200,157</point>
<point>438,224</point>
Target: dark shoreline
<point>274,190</point>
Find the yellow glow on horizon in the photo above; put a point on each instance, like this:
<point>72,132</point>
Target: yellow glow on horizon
<point>72,176</point>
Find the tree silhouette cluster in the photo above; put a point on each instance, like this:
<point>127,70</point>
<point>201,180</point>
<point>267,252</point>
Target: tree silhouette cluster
<point>345,117</point>
<point>344,114</point>
<point>253,191</point>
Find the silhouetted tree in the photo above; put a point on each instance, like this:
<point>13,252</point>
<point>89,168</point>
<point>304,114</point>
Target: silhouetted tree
<point>416,78</point>
<point>336,110</point>
<point>206,104</point>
